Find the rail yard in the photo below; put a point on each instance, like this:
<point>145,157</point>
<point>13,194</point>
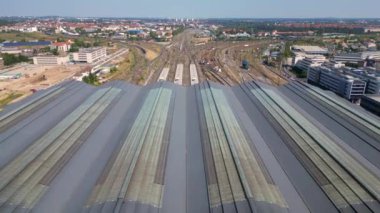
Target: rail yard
<point>215,61</point>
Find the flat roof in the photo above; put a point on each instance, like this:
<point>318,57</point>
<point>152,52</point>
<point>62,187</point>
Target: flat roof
<point>89,50</point>
<point>306,48</point>
<point>19,44</point>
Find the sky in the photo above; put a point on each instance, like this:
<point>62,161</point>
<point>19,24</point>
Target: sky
<point>194,8</point>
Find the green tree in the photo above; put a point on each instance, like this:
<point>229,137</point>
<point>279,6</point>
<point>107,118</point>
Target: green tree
<point>55,51</point>
<point>91,79</point>
<point>10,59</point>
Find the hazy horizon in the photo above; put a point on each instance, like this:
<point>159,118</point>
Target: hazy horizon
<point>291,9</point>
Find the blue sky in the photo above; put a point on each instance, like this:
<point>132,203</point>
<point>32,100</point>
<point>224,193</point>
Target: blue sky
<point>194,8</point>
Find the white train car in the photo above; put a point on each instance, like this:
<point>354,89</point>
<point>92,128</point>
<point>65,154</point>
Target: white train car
<point>178,74</point>
<point>193,75</point>
<point>164,74</point>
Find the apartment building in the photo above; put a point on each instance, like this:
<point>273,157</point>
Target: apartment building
<point>90,55</point>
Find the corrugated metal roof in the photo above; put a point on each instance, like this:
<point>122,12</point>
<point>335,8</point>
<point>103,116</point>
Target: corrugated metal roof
<point>19,44</point>
<point>205,148</point>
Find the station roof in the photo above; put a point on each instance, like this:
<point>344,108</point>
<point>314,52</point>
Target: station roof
<point>204,148</point>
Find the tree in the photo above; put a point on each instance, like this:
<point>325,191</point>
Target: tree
<point>91,79</point>
<point>60,40</point>
<point>45,49</point>
<point>10,59</point>
<point>73,49</point>
<point>55,51</point>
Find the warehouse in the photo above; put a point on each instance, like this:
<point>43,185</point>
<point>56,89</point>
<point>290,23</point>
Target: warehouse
<point>205,148</point>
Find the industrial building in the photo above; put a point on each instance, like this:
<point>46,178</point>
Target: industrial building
<point>204,148</point>
<point>335,80</point>
<point>310,50</point>
<point>90,55</point>
<point>357,58</point>
<point>26,44</point>
<point>50,60</point>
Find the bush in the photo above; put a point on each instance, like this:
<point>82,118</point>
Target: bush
<point>10,59</point>
<point>113,70</point>
<point>91,79</point>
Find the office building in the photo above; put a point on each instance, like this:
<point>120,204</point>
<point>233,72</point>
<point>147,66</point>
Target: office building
<point>370,76</point>
<point>50,60</point>
<point>335,80</point>
<point>357,58</point>
<point>310,61</point>
<point>90,55</point>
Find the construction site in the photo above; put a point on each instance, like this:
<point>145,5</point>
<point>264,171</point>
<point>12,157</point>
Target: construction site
<point>24,80</point>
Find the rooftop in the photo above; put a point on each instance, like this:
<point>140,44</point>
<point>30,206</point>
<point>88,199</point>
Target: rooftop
<point>89,50</point>
<point>20,44</point>
<point>204,148</point>
<point>309,48</point>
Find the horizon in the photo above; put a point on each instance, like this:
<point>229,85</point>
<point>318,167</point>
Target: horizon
<point>236,18</point>
<point>224,9</point>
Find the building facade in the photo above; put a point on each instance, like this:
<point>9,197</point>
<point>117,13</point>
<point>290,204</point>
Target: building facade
<point>61,46</point>
<point>50,60</point>
<point>334,80</point>
<point>310,61</point>
<point>357,58</point>
<point>90,55</point>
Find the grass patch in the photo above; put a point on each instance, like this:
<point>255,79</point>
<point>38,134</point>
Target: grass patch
<point>10,97</point>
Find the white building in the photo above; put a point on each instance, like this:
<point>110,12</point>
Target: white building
<point>310,61</point>
<point>50,60</point>
<point>337,81</point>
<point>310,50</point>
<point>372,30</point>
<point>90,55</point>
<point>61,46</point>
<point>357,57</point>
